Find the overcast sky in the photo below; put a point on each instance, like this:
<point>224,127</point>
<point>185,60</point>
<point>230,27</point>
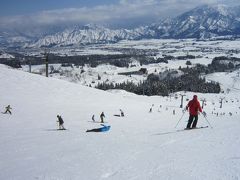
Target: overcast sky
<point>14,13</point>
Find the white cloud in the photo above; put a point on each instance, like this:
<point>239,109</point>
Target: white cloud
<point>127,11</point>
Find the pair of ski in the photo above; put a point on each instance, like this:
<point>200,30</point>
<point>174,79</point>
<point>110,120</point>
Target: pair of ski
<point>62,129</point>
<point>187,129</point>
<point>5,113</point>
<point>181,130</point>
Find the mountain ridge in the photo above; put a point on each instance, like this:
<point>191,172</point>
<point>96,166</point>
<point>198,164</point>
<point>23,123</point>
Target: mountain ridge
<point>201,22</point>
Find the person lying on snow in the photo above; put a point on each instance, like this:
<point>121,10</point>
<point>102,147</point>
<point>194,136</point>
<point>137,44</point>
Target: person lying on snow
<point>101,129</point>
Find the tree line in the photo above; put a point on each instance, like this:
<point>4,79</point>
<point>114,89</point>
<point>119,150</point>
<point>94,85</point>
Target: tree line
<point>190,81</point>
<point>118,60</point>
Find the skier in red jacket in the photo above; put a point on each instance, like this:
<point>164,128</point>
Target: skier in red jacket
<point>194,109</point>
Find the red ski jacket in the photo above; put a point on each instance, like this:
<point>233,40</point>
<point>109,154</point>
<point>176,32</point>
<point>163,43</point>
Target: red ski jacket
<point>194,106</point>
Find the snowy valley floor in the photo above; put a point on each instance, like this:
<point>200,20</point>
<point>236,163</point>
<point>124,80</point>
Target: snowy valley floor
<point>139,146</point>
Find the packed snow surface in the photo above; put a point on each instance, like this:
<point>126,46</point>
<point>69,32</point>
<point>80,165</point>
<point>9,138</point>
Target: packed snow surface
<point>139,146</point>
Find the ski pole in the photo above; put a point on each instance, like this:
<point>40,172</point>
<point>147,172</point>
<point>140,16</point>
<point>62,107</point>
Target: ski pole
<point>207,120</point>
<point>180,119</point>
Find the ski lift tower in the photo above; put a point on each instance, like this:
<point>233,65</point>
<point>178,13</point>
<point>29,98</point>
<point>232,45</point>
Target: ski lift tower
<point>28,61</point>
<point>30,66</point>
<point>45,57</point>
<point>203,102</point>
<point>182,95</point>
<point>221,101</point>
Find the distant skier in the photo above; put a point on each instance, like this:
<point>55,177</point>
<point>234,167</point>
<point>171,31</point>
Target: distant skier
<point>102,115</point>
<point>7,110</point>
<point>60,122</point>
<point>194,108</point>
<point>122,113</point>
<point>150,110</point>
<point>101,129</point>
<point>93,118</point>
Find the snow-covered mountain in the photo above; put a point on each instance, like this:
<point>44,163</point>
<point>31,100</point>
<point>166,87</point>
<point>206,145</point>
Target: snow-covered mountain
<point>20,37</point>
<point>202,22</point>
<point>91,34</point>
<point>12,39</point>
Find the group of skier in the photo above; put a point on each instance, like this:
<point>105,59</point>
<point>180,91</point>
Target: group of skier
<point>193,107</point>
<point>103,128</point>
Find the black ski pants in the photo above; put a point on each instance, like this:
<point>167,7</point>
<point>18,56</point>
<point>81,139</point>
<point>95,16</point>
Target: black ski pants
<point>94,130</point>
<point>191,122</point>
